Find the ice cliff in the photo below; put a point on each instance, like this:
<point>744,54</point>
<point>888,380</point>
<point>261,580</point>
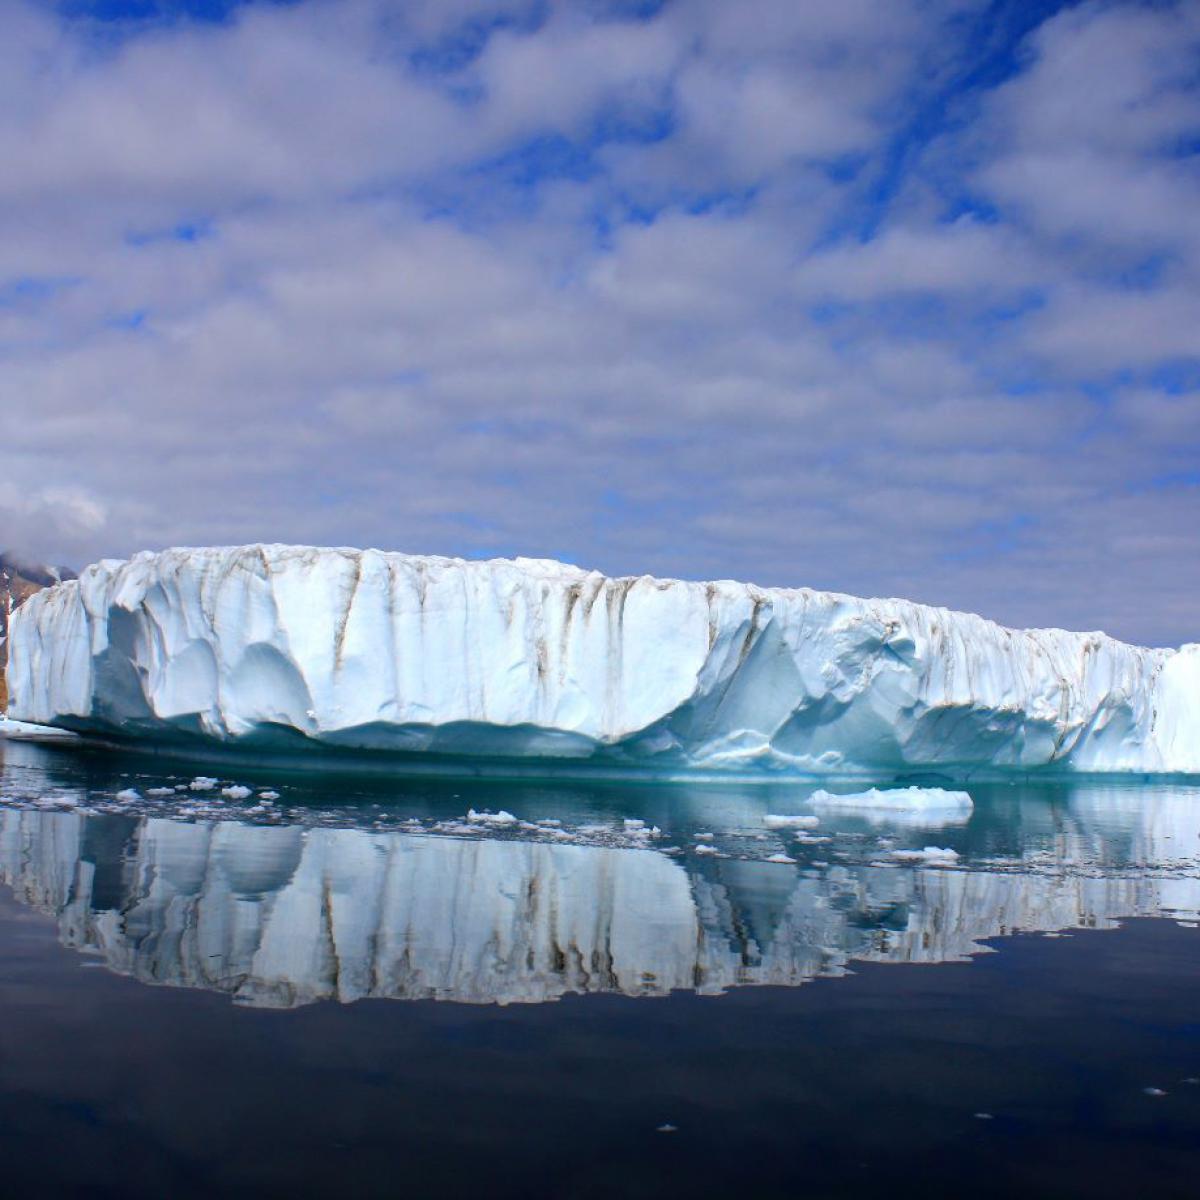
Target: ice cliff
<point>441,659</point>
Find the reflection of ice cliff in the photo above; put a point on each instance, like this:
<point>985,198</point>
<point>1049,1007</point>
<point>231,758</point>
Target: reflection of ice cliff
<point>284,916</point>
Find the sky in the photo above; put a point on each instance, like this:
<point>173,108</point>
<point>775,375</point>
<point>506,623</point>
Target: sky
<point>889,297</point>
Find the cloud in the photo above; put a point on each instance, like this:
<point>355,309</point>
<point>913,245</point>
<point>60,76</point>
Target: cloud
<point>702,290</point>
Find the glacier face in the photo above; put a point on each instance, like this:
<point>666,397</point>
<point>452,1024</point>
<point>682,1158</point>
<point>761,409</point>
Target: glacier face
<point>441,659</point>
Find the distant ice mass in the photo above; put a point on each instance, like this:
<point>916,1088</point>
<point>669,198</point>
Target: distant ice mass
<point>443,660</point>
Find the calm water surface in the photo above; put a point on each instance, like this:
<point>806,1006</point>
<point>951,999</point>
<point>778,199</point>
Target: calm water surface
<point>353,988</point>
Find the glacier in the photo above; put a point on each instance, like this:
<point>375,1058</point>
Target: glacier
<point>534,665</point>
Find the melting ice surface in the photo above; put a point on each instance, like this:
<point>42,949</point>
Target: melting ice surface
<point>280,892</point>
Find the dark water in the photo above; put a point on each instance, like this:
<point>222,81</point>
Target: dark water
<point>353,990</point>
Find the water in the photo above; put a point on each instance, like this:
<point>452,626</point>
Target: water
<point>352,988</point>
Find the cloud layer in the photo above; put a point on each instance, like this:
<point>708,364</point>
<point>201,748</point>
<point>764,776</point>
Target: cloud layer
<point>890,298</point>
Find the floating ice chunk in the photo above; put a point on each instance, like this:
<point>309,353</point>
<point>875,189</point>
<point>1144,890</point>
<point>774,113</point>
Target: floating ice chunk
<point>549,822</point>
<point>268,795</point>
<point>896,800</point>
<point>982,1116</point>
<point>160,791</point>
<point>779,858</point>
<point>236,792</point>
<point>129,795</point>
<point>777,821</point>
<point>202,783</point>
<point>703,837</point>
<point>667,1128</point>
<point>491,818</point>
<point>632,823</point>
<point>1153,1091</point>
<point>704,849</point>
<point>934,855</point>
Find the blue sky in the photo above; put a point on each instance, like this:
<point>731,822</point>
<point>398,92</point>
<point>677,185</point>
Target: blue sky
<point>885,297</point>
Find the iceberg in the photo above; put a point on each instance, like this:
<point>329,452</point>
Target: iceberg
<point>534,664</point>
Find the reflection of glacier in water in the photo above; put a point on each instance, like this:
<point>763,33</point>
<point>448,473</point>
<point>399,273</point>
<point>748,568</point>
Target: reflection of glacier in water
<point>282,916</point>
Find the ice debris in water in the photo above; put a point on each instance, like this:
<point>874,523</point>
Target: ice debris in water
<point>491,818</point>
<point>1153,1091</point>
<point>779,858</point>
<point>934,855</point>
<point>129,795</point>
<point>236,792</point>
<point>202,783</point>
<point>705,849</point>
<point>777,821</point>
<point>160,791</point>
<point>268,795</point>
<point>703,837</point>
<point>667,1128</point>
<point>982,1116</point>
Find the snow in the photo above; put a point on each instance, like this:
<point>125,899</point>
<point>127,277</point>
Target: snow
<point>510,660</point>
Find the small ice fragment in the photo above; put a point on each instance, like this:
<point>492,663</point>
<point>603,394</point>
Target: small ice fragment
<point>163,791</point>
<point>490,818</point>
<point>129,795</point>
<point>703,849</point>
<point>982,1116</point>
<point>181,787</point>
<point>1190,1079</point>
<point>816,862</point>
<point>236,792</point>
<point>202,783</point>
<point>667,1128</point>
<point>703,837</point>
<point>268,795</point>
<point>1152,1091</point>
<point>933,855</point>
<point>633,823</point>
<point>779,858</point>
<point>776,821</point>
<point>906,799</point>
<point>549,822</point>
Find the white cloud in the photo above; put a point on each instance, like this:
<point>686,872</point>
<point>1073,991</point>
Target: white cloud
<point>642,364</point>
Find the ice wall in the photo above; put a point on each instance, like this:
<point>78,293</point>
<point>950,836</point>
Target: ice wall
<point>439,658</point>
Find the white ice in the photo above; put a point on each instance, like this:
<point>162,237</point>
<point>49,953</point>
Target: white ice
<point>510,660</point>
